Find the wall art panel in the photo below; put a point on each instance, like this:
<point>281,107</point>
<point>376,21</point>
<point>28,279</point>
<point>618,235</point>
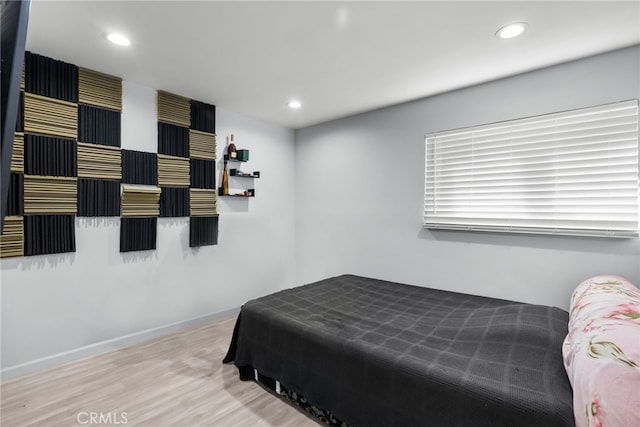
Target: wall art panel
<point>138,234</point>
<point>98,197</point>
<point>45,155</point>
<point>49,234</point>
<point>12,237</point>
<point>139,167</point>
<point>203,231</point>
<point>99,89</point>
<point>173,140</point>
<point>174,202</point>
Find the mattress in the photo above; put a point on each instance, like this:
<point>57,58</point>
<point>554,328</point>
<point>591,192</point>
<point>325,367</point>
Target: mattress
<point>378,353</point>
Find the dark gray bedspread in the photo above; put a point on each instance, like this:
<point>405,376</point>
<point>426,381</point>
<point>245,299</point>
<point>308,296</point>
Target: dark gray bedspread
<point>378,353</point>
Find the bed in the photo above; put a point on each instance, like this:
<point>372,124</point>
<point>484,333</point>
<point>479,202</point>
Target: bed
<point>378,353</point>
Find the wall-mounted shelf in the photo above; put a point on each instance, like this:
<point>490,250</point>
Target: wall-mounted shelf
<point>249,193</point>
<point>240,156</point>
<point>234,172</point>
<point>230,159</point>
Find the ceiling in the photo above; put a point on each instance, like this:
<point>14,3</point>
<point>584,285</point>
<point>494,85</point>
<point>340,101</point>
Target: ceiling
<point>337,58</point>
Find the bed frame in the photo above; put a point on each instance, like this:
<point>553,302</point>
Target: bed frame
<point>377,353</point>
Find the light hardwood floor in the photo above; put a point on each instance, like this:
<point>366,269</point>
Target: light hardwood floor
<point>176,380</point>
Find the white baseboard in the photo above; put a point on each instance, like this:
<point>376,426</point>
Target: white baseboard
<point>56,360</point>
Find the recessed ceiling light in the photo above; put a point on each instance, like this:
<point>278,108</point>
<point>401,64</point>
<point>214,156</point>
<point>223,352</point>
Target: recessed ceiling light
<point>118,39</point>
<point>294,105</point>
<point>512,30</point>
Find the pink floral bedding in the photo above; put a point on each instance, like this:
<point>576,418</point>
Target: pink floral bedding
<point>602,352</point>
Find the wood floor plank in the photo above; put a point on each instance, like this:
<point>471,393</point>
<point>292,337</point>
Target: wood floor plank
<point>176,380</point>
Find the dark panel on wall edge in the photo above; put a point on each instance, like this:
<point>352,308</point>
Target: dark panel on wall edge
<point>20,116</point>
<point>15,205</point>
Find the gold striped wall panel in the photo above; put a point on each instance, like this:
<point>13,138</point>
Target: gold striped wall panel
<point>50,194</point>
<point>99,161</point>
<point>22,78</point>
<point>202,145</point>
<point>174,109</point>
<point>12,238</point>
<point>173,171</point>
<point>17,156</point>
<point>99,89</point>
<point>202,202</point>
<point>137,201</point>
<point>50,116</point>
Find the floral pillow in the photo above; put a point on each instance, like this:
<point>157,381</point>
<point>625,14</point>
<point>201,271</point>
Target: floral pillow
<point>602,352</point>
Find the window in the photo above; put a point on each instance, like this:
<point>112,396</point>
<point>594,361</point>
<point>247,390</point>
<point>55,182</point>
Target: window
<point>570,173</point>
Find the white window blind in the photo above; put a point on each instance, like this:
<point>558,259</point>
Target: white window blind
<point>573,173</point>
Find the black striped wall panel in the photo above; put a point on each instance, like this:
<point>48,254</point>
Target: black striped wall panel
<point>15,202</point>
<point>173,171</point>
<point>12,237</point>
<point>138,234</point>
<point>203,173</point>
<point>50,116</point>
<point>173,140</point>
<point>99,126</point>
<point>174,109</point>
<point>48,77</point>
<point>99,89</point>
<point>203,116</point>
<point>49,234</point>
<point>139,167</point>
<point>202,145</point>
<point>98,197</point>
<point>99,161</point>
<point>17,155</point>
<point>50,195</point>
<point>174,202</point>
<point>203,231</point>
<point>20,116</point>
<point>44,155</point>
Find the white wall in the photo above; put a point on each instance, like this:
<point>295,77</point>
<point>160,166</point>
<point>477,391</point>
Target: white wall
<point>345,198</point>
<point>55,305</point>
<point>360,186</point>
